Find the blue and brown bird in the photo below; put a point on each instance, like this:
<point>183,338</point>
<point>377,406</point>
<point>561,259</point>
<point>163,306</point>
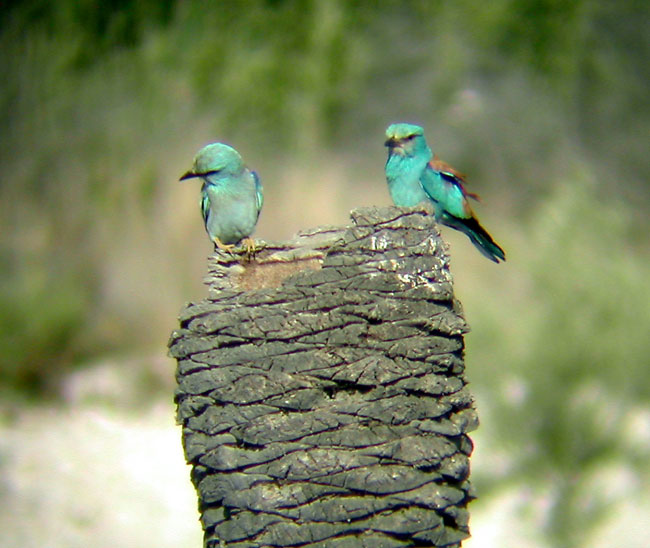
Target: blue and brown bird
<point>415,175</point>
<point>231,196</point>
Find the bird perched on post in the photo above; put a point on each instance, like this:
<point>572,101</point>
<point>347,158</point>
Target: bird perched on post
<point>231,196</point>
<point>414,175</point>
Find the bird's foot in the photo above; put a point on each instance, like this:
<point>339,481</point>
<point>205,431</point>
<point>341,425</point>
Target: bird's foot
<point>229,248</point>
<point>249,243</point>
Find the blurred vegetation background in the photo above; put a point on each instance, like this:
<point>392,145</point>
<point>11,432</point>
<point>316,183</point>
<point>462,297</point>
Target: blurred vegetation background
<point>544,103</point>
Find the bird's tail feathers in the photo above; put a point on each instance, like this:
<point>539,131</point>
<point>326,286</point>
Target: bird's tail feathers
<point>479,237</point>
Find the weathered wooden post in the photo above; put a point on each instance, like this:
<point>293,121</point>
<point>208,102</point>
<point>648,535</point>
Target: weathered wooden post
<point>321,391</point>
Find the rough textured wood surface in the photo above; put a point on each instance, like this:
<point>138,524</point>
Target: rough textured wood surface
<point>321,391</point>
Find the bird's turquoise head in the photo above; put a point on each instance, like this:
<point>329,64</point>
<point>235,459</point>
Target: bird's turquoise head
<point>215,158</point>
<point>406,140</point>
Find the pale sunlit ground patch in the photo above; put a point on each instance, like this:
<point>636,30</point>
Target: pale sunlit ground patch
<point>90,476</point>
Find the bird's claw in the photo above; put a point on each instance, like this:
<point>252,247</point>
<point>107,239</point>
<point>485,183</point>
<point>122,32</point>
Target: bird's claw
<point>229,248</point>
<point>249,243</point>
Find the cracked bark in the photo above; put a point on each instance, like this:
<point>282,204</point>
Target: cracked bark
<point>321,391</point>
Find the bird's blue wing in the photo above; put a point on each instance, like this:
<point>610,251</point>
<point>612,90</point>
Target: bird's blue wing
<point>259,191</point>
<point>447,191</point>
<point>205,207</point>
<point>453,209</point>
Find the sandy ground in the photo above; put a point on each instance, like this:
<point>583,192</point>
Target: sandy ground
<point>91,477</point>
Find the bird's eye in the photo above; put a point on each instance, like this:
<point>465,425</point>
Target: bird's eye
<point>409,138</point>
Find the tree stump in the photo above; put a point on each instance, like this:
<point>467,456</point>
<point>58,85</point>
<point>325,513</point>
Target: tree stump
<point>321,390</point>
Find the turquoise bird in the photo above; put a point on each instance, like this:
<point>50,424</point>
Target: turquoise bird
<point>231,196</point>
<point>414,175</point>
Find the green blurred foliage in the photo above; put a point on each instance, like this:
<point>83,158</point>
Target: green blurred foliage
<point>573,373</point>
<point>543,102</point>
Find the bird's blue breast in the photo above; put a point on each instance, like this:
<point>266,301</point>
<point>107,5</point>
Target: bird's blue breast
<point>403,177</point>
<point>231,207</point>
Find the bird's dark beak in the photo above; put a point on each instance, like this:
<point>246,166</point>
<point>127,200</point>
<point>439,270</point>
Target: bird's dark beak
<point>391,143</point>
<point>188,175</point>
